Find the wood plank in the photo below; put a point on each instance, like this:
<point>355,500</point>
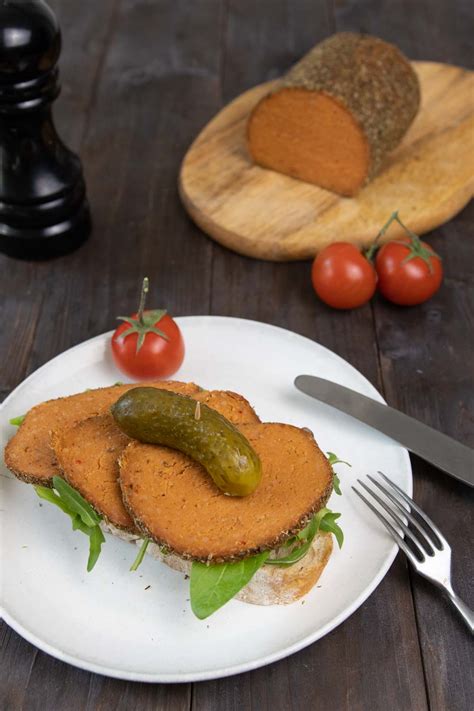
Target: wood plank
<point>17,658</point>
<point>425,30</point>
<point>426,357</point>
<point>342,670</point>
<point>133,696</point>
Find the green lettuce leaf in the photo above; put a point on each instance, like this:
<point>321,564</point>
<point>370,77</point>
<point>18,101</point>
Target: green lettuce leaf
<point>214,585</point>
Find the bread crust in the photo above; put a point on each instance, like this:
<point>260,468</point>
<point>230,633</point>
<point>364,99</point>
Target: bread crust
<point>271,585</point>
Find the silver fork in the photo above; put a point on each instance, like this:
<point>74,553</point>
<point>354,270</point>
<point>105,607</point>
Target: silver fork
<point>430,554</point>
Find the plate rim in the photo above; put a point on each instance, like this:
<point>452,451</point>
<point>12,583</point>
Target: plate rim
<point>184,677</point>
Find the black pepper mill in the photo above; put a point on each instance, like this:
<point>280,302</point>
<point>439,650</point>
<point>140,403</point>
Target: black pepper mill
<point>43,205</point>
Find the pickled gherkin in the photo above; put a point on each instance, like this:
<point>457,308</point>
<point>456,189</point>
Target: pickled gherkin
<point>163,417</point>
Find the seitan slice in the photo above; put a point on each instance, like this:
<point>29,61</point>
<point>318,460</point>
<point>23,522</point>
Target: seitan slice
<point>231,405</point>
<point>175,502</point>
<point>87,454</point>
<point>29,455</point>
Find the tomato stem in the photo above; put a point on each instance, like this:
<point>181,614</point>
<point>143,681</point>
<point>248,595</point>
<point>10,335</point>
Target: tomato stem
<point>141,307</point>
<point>374,246</point>
<point>415,245</point>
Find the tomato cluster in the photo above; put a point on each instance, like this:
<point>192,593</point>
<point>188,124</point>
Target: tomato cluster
<point>406,271</point>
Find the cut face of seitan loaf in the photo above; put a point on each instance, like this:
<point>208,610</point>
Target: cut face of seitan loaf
<point>336,115</point>
<point>175,502</point>
<point>87,454</point>
<point>29,455</point>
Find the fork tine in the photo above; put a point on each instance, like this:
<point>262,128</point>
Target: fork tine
<point>443,543</point>
<point>396,518</point>
<point>428,542</point>
<point>401,543</point>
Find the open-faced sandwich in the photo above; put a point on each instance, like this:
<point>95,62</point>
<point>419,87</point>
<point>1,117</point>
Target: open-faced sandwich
<point>194,478</point>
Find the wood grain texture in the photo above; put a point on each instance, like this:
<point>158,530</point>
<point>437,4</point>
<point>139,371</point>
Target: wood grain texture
<point>140,80</point>
<point>264,214</point>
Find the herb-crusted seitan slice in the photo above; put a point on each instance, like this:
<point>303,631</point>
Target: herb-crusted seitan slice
<point>29,455</point>
<point>175,502</point>
<point>232,405</point>
<point>336,115</point>
<point>87,454</point>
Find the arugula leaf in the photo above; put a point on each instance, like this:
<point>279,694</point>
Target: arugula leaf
<point>334,459</point>
<point>82,515</point>
<point>16,421</point>
<point>328,523</point>
<point>75,502</point>
<point>296,555</point>
<point>214,585</point>
<point>79,525</point>
<point>324,520</point>
<point>96,538</point>
<point>49,495</point>
<point>141,554</point>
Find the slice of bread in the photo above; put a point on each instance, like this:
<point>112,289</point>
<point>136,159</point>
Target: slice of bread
<point>29,455</point>
<point>271,585</point>
<point>174,501</point>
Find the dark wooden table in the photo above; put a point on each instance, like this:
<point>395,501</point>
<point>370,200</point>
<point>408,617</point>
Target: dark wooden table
<point>140,78</point>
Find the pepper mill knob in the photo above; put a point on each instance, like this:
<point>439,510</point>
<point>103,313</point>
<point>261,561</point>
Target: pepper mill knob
<point>43,206</point>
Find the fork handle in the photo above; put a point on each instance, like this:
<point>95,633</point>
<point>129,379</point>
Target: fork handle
<point>465,612</point>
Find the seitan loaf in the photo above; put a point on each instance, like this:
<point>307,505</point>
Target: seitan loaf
<point>336,115</point>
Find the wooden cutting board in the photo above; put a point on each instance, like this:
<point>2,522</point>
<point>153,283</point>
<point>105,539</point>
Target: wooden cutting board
<point>260,213</point>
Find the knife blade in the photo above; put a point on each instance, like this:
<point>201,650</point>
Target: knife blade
<point>435,447</point>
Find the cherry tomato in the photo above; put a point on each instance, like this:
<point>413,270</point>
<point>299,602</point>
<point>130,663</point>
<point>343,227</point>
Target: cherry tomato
<point>342,277</point>
<point>409,271</point>
<point>148,344</point>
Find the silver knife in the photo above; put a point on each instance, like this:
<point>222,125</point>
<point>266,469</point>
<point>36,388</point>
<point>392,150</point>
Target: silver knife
<point>436,448</point>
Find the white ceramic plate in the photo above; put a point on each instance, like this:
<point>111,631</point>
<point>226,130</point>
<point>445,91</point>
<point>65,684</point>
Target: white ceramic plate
<point>139,625</point>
